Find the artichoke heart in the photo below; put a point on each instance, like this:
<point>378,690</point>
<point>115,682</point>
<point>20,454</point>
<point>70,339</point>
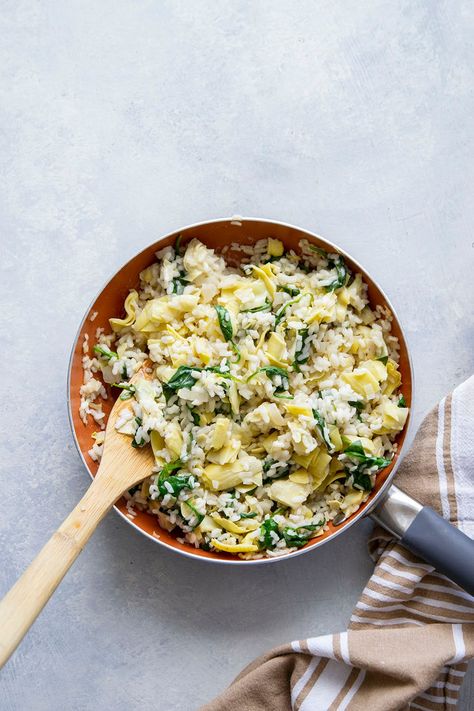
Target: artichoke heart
<point>130,307</point>
<point>289,493</point>
<point>226,454</point>
<point>219,477</point>
<point>363,382</point>
<point>300,476</point>
<point>276,346</point>
<point>157,445</point>
<point>393,417</point>
<point>394,379</point>
<point>162,310</point>
<point>352,501</point>
<point>275,247</point>
<point>295,409</point>
<point>234,547</point>
<point>174,439</point>
<point>232,527</point>
<point>220,432</point>
<point>319,467</point>
<point>265,273</point>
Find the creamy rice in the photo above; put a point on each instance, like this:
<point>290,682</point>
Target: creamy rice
<point>274,399</point>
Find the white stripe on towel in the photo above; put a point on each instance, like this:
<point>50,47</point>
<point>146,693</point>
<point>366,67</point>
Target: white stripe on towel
<point>443,483</point>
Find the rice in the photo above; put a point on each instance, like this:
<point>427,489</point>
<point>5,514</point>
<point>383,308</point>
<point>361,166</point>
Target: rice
<point>274,400</point>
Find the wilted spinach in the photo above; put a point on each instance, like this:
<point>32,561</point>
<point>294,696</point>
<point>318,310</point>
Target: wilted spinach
<point>288,289</point>
<point>105,352</point>
<point>298,537</point>
<point>302,354</point>
<point>322,427</point>
<point>361,478</point>
<point>265,307</point>
<point>170,483</point>
<point>282,310</point>
<point>182,378</point>
<point>268,527</point>
<point>225,324</point>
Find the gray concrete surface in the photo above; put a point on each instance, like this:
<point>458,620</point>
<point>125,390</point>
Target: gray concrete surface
<point>123,120</point>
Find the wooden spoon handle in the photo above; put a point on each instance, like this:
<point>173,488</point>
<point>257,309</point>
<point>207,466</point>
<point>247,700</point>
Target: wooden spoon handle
<point>23,603</point>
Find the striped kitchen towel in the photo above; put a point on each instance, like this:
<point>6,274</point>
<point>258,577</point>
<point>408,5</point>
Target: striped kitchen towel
<point>412,631</point>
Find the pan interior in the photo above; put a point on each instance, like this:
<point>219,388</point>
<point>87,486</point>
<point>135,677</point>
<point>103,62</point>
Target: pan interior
<point>109,302</point>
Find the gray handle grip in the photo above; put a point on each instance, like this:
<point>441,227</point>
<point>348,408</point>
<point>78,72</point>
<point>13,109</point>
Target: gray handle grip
<point>429,536</point>
<point>442,545</point>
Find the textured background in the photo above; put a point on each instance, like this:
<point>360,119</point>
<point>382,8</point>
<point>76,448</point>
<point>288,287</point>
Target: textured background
<point>124,120</point>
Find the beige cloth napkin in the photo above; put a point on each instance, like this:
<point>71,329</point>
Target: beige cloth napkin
<point>412,631</point>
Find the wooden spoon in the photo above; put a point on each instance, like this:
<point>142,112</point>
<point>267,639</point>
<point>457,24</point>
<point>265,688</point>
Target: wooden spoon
<point>122,466</point>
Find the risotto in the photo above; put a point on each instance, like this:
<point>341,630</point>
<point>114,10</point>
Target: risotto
<point>270,394</point>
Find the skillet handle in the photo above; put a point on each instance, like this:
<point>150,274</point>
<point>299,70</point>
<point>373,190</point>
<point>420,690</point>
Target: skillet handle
<point>429,536</point>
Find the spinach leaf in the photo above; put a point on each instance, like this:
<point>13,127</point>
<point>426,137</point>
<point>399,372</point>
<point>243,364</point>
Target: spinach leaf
<point>179,283</point>
<point>170,483</point>
<point>268,463</point>
<point>341,271</point>
<point>281,311</point>
<point>319,250</point>
<point>170,468</point>
<point>195,415</point>
<point>291,290</point>
<point>322,427</point>
<point>268,527</point>
<point>362,480</point>
<point>278,472</point>
<point>338,264</point>
<point>177,245</point>
<point>358,405</point>
<point>223,373</point>
<point>402,402</point>
<point>383,359</point>
<point>267,306</point>
<point>251,514</point>
<point>236,351</point>
<point>182,378</point>
<point>197,514</point>
<point>298,537</point>
<point>135,442</point>
<point>273,371</point>
<point>222,408</point>
<point>302,354</point>
<point>356,451</point>
<point>105,352</point>
<point>225,324</point>
<point>282,396</point>
<point>306,268</point>
<point>128,390</point>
